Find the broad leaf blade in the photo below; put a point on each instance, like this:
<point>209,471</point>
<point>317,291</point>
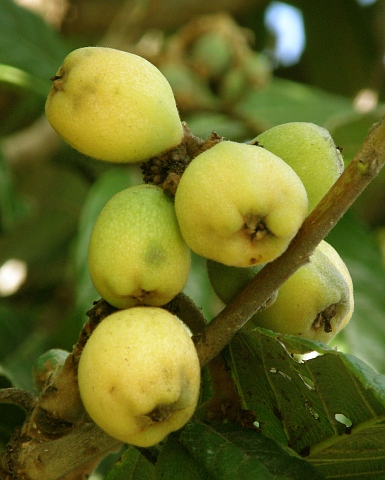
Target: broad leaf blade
<point>12,207</point>
<point>365,334</point>
<point>300,404</point>
<point>286,101</point>
<point>337,461</point>
<point>131,466</point>
<point>230,452</point>
<point>28,43</point>
<point>176,463</point>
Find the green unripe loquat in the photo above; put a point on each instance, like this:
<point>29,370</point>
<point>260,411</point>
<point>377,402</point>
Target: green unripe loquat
<point>311,153</point>
<point>228,281</point>
<point>136,253</point>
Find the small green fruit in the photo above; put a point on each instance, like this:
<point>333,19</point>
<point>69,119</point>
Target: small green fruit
<point>136,253</point>
<point>113,105</point>
<point>190,91</point>
<point>228,281</point>
<point>47,366</point>
<point>139,375</point>
<point>316,302</point>
<point>211,54</point>
<point>239,204</point>
<point>310,151</point>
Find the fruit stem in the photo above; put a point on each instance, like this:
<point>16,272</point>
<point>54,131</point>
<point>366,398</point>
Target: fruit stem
<point>364,167</point>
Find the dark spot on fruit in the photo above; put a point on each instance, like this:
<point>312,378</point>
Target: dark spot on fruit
<point>255,260</point>
<point>155,255</point>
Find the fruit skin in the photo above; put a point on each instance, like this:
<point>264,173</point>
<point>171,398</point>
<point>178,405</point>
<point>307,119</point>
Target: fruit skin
<point>316,302</point>
<point>311,153</point>
<point>136,253</point>
<point>113,105</point>
<point>239,204</point>
<point>228,281</point>
<point>139,375</point>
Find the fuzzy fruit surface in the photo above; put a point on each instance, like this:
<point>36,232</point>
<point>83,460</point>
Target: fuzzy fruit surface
<point>113,105</point>
<point>310,151</point>
<point>139,375</point>
<point>316,302</point>
<point>136,253</point>
<point>239,204</point>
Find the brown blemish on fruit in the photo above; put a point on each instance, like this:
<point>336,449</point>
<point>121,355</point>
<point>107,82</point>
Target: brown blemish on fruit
<point>255,261</point>
<point>323,319</point>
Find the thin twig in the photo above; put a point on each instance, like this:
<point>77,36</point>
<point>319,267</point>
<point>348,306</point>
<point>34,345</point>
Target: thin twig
<point>363,168</point>
<point>16,396</point>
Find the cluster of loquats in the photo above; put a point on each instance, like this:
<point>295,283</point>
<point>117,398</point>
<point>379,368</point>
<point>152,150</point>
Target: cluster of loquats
<point>238,205</point>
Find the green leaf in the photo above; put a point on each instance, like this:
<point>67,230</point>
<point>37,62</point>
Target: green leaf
<point>338,461</point>
<point>285,101</point>
<point>203,124</point>
<point>365,334</point>
<point>132,465</point>
<point>230,452</point>
<point>315,406</point>
<point>11,206</point>
<point>20,78</point>
<point>349,129</point>
<point>42,238</point>
<point>175,463</point>
<point>29,45</point>
<point>15,325</point>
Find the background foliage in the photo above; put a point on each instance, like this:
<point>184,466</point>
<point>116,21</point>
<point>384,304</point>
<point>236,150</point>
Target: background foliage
<point>50,196</point>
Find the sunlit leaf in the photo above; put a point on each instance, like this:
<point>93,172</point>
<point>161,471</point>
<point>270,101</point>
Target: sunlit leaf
<point>29,45</point>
